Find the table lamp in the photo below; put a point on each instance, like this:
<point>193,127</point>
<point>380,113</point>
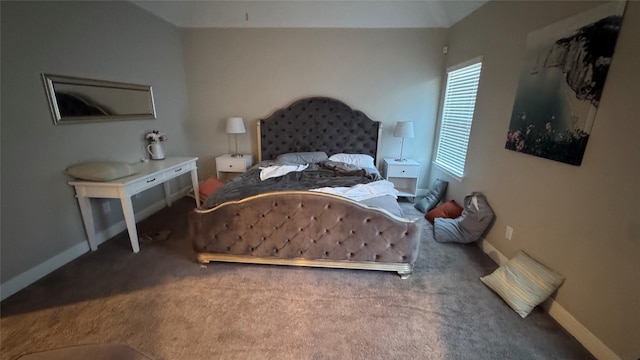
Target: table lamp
<point>404,129</point>
<point>235,126</point>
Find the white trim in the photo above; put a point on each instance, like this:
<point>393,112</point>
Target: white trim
<point>448,172</point>
<point>493,253</point>
<point>39,271</point>
<point>459,66</point>
<point>596,347</point>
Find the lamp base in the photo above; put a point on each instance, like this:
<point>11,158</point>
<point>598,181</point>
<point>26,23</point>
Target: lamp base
<point>237,155</point>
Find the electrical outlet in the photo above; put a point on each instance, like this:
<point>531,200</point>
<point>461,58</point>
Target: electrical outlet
<point>106,206</point>
<point>509,233</point>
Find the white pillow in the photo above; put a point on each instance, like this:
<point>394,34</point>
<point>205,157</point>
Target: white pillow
<point>102,170</point>
<point>523,283</point>
<point>362,161</point>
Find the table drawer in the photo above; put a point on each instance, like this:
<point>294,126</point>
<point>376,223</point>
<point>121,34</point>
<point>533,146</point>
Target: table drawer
<point>409,171</point>
<point>145,183</point>
<point>231,165</point>
<point>179,171</point>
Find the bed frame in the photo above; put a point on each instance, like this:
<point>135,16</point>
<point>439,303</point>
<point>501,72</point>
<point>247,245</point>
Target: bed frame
<point>304,228</point>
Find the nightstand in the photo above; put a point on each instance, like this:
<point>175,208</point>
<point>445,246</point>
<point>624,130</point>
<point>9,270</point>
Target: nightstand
<point>229,164</point>
<point>403,175</point>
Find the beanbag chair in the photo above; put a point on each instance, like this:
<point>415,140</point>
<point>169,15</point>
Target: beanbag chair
<point>476,218</point>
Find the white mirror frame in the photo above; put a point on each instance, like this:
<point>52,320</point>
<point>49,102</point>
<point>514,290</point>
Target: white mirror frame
<point>107,100</point>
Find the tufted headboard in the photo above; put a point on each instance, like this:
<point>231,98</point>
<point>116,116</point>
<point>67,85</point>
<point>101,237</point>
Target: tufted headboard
<point>317,124</point>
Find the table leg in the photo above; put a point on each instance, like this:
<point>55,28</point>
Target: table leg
<point>196,186</point>
<point>130,219</point>
<point>87,218</point>
<point>167,192</point>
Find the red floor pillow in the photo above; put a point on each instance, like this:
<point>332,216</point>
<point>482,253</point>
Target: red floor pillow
<point>449,209</point>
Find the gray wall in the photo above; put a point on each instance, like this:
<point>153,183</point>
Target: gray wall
<point>581,221</point>
<point>103,40</point>
<point>390,74</point>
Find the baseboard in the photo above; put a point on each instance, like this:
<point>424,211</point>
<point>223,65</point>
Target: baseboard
<point>493,253</point>
<point>39,271</point>
<point>596,347</point>
<point>575,328</point>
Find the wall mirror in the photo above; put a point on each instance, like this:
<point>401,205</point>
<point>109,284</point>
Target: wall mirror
<point>76,100</point>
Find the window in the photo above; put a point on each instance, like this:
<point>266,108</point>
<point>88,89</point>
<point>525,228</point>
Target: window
<point>457,115</point>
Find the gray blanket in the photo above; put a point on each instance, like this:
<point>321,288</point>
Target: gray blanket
<point>325,174</point>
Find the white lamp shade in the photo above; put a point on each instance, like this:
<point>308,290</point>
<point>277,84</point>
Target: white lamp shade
<point>404,129</point>
<point>235,125</point>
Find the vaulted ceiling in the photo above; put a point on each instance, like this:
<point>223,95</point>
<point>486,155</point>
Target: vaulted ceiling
<point>312,13</point>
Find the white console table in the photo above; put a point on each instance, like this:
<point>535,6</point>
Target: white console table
<point>152,173</point>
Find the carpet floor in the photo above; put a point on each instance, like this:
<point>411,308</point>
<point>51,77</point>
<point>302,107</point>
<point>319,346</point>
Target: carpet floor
<point>162,303</point>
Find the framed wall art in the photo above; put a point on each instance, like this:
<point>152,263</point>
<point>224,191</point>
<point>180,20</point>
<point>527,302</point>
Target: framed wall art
<point>561,82</point>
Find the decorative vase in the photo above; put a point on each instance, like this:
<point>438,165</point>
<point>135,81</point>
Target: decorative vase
<point>156,151</point>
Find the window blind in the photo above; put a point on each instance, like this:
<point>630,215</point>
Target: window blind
<point>457,115</point>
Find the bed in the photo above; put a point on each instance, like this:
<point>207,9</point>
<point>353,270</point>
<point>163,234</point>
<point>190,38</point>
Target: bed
<point>291,225</point>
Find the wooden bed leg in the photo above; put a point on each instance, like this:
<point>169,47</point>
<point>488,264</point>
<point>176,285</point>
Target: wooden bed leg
<point>202,262</point>
<point>404,274</point>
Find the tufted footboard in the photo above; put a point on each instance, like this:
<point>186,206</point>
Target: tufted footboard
<point>305,228</point>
